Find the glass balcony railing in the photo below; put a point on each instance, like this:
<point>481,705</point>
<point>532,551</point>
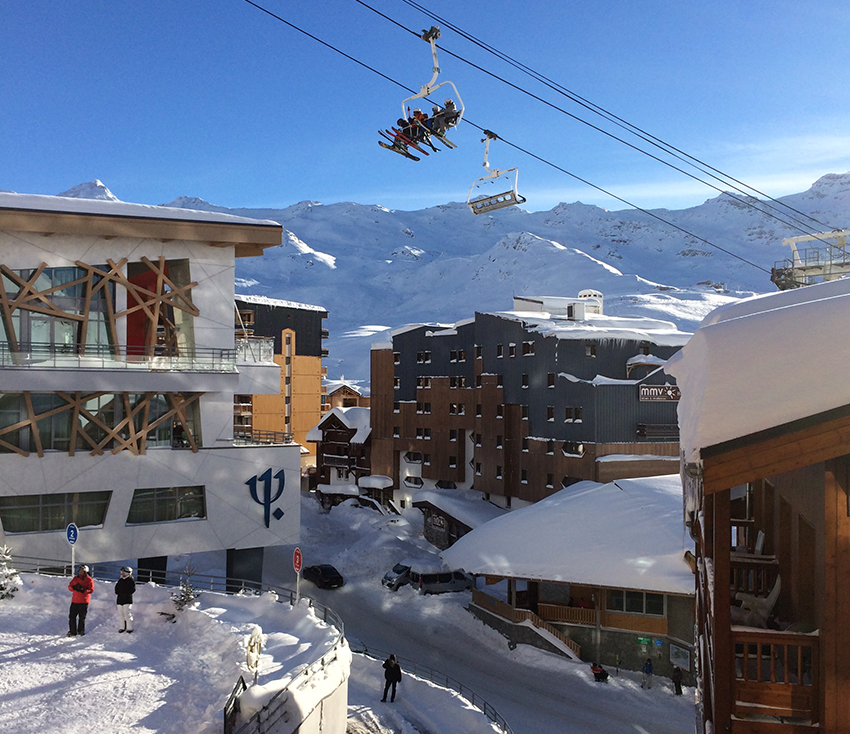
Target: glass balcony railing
<point>255,349</point>
<point>158,358</point>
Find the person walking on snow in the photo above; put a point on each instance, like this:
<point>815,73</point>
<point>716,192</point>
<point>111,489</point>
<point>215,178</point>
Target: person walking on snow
<point>392,674</point>
<point>82,586</point>
<point>646,681</point>
<point>125,587</point>
<point>677,680</point>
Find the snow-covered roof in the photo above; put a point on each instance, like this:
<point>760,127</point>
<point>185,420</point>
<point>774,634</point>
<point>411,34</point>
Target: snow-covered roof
<point>763,362</point>
<point>347,489</point>
<point>623,534</point>
<point>266,301</point>
<point>354,417</point>
<point>38,202</point>
<point>375,481</point>
<point>465,505</point>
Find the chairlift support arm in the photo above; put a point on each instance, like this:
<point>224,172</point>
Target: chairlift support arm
<point>431,36</point>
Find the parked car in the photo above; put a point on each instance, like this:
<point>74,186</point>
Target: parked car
<point>397,576</point>
<point>324,576</point>
<point>438,583</point>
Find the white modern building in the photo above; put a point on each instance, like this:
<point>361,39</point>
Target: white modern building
<point>118,369</point>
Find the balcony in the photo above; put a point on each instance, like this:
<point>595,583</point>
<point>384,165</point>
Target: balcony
<point>102,357</point>
<point>776,675</point>
<point>563,614</point>
<point>247,436</point>
<point>255,349</point>
<point>336,461</point>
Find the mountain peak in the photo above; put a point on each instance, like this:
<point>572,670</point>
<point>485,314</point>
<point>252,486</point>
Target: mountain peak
<point>91,190</point>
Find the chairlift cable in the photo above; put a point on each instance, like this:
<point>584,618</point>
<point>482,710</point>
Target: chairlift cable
<point>513,145</point>
<point>723,178</point>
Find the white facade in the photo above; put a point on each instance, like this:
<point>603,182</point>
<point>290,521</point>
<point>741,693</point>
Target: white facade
<point>123,383</point>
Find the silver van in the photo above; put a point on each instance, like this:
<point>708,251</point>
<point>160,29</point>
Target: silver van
<point>438,583</point>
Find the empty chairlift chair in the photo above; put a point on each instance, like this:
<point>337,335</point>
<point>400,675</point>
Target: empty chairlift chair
<point>479,200</point>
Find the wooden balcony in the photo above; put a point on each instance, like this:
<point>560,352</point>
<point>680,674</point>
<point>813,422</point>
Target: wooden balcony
<point>567,615</point>
<point>752,574</point>
<point>776,675</point>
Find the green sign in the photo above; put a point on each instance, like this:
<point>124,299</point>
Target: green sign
<point>644,641</point>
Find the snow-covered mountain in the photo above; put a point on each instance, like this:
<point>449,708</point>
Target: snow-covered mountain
<point>374,268</point>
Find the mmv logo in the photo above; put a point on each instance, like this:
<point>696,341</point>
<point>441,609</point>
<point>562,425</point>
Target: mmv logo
<point>265,497</point>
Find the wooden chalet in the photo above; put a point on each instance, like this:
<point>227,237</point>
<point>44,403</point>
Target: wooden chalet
<point>765,422</point>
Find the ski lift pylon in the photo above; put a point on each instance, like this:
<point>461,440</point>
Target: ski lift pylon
<point>431,36</point>
<point>481,203</point>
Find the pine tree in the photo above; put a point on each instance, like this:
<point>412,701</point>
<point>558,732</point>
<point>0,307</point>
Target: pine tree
<point>9,577</point>
<point>187,593</point>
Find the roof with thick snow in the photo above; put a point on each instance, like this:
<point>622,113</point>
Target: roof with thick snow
<point>624,534</point>
<point>266,301</point>
<point>115,208</point>
<point>355,417</point>
<point>763,362</point>
<point>465,505</point>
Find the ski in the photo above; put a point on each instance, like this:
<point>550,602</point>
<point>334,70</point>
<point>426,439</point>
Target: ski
<point>398,150</point>
<point>404,139</point>
<point>430,133</point>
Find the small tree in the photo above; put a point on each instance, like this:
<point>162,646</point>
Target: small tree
<point>9,577</point>
<point>187,593</point>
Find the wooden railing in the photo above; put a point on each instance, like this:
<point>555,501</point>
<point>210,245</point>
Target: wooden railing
<point>567,615</point>
<point>515,616</point>
<point>776,673</point>
<point>752,574</point>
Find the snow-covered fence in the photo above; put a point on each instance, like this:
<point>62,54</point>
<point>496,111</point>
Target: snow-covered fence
<point>440,679</point>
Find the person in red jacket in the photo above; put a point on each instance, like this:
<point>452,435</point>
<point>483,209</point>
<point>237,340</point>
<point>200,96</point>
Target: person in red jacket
<point>82,586</point>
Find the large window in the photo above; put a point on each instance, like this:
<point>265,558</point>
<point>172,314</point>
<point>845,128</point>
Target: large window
<point>166,504</point>
<point>635,602</point>
<point>40,512</point>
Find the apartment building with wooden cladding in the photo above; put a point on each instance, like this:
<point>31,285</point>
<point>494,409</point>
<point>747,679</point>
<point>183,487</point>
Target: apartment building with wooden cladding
<point>522,403</point>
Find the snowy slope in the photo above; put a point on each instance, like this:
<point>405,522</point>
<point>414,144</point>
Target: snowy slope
<point>374,268</point>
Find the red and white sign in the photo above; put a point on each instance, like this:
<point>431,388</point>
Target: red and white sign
<point>297,560</point>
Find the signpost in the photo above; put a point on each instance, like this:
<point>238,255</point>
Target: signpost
<point>72,534</point>
<point>297,562</point>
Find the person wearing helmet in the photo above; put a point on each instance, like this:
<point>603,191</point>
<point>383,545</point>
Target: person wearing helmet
<point>82,586</point>
<point>125,587</point>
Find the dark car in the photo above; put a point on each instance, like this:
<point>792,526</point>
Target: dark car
<point>324,576</point>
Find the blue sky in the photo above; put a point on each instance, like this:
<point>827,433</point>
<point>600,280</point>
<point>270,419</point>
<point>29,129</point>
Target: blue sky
<point>221,101</point>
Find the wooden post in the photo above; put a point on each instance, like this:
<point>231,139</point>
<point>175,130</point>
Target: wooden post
<point>723,664</point>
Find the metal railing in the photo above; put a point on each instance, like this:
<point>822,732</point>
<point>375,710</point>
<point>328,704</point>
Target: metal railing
<point>441,679</point>
<point>243,435</point>
<point>114,357</point>
<point>255,349</point>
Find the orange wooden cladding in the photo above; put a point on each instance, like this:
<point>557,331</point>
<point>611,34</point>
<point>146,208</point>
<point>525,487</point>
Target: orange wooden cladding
<point>568,615</point>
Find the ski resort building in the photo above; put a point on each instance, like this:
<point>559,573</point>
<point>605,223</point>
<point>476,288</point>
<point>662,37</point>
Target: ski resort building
<point>519,404</point>
<point>295,333</point>
<point>765,432</point>
<point>118,370</point>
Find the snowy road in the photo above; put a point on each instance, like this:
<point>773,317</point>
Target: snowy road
<point>536,692</point>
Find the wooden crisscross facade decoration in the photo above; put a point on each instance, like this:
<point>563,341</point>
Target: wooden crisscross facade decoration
<point>157,304</point>
<point>128,434</point>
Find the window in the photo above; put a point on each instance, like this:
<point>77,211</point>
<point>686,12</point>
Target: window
<point>453,355</point>
<point>461,409</point>
<point>550,480</point>
<point>396,357</point>
<point>512,350</point>
<point>499,441</point>
<point>498,472</point>
<point>550,412</point>
<point>523,476</point>
<point>413,457</point>
<point>524,412</point>
<point>500,411</point>
<point>572,415</point>
<point>525,444</point>
<point>500,381</point>
<point>499,350</point>
<point>461,355</point>
<point>478,468</point>
<point>453,434</point>
<point>644,350</point>
<point>396,407</point>
<point>452,462</point>
<point>525,379</point>
<point>477,439</point>
<point>413,481</point>
<point>478,351</point>
<point>396,431</point>
<point>426,459</point>
<point>424,408</point>
<point>589,350</point>
<point>166,504</point>
<point>572,448</point>
<point>635,602</point>
<point>478,381</point>
<point>477,410</point>
<point>39,512</point>
<point>527,349</point>
<point>457,409</point>
<point>550,447</point>
<point>550,379</point>
<point>396,383</point>
<point>426,434</point>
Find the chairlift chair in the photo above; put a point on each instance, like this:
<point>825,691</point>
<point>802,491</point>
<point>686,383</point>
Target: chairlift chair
<point>431,36</point>
<point>480,202</point>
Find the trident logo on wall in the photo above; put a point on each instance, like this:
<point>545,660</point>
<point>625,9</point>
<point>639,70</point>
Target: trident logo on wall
<point>267,498</point>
